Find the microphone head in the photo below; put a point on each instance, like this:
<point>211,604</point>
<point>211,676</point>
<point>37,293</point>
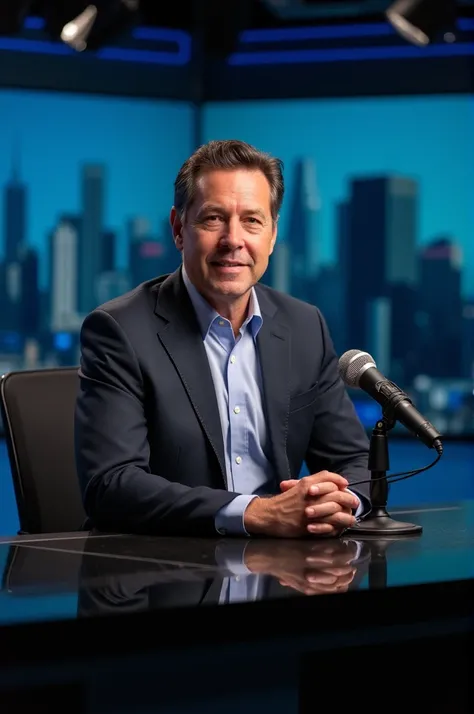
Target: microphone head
<point>351,364</point>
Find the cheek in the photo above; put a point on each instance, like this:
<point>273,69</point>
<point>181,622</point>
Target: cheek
<point>198,245</point>
<point>260,250</point>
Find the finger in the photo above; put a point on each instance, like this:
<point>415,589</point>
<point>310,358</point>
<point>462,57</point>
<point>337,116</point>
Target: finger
<point>320,489</point>
<point>338,586</point>
<point>338,561</point>
<point>321,578</point>
<point>290,483</point>
<point>323,476</point>
<point>346,580</point>
<point>344,498</point>
<point>319,562</point>
<point>334,589</point>
<point>356,498</point>
<point>339,480</point>
<point>296,584</point>
<point>340,519</point>
<point>321,529</point>
<point>337,572</point>
<point>317,510</point>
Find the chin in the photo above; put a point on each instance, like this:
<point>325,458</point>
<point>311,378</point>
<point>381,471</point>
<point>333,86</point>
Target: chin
<point>234,288</point>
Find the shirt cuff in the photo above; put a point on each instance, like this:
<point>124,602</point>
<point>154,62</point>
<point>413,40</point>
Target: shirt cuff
<point>229,520</point>
<point>230,555</point>
<point>362,507</point>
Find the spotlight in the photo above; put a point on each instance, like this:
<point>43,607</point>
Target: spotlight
<point>420,21</point>
<point>12,15</point>
<point>83,25</point>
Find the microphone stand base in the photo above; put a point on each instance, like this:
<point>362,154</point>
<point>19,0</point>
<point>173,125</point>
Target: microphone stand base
<point>378,522</point>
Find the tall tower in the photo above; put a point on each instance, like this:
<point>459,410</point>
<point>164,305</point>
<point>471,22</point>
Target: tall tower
<point>381,263</point>
<point>90,240</point>
<point>64,277</point>
<point>145,252</point>
<point>302,234</point>
<point>14,213</point>
<point>441,333</point>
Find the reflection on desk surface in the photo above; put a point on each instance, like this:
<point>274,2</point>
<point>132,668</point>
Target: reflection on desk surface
<point>90,574</point>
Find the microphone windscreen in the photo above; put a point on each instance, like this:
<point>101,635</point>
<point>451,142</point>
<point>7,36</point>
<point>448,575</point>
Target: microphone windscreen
<point>350,365</point>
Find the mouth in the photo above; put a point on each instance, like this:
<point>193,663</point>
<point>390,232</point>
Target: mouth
<point>228,267</point>
<point>228,264</point>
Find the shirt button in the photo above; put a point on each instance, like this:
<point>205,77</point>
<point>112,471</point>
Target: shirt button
<point>238,459</point>
<point>236,410</point>
<point>221,323</point>
<point>232,359</point>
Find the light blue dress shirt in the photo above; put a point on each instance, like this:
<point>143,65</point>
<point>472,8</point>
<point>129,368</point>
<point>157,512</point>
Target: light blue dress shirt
<point>236,373</point>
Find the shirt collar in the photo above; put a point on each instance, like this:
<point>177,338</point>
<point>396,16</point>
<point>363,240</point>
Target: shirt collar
<point>206,314</point>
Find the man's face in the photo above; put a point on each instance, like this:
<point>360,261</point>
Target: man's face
<point>228,233</point>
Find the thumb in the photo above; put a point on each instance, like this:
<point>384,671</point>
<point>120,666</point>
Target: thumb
<point>286,485</point>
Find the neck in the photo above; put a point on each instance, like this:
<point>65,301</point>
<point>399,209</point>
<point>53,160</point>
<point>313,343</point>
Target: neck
<point>235,311</point>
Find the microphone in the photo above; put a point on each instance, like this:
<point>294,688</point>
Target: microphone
<point>358,369</point>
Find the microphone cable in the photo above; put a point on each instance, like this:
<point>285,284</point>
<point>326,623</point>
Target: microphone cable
<point>402,475</point>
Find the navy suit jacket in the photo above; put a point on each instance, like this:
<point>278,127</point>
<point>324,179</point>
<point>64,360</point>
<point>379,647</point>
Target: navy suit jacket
<point>149,446</point>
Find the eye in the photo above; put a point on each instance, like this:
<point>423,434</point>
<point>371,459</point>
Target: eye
<point>253,220</point>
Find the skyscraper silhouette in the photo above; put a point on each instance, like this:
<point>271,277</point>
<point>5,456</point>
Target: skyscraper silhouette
<point>442,309</point>
<point>302,229</point>
<point>90,239</point>
<point>14,211</point>
<point>381,255</point>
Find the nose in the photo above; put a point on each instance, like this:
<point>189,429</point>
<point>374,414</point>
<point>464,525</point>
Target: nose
<point>233,236</point>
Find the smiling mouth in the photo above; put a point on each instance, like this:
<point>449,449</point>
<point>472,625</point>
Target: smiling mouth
<point>227,264</point>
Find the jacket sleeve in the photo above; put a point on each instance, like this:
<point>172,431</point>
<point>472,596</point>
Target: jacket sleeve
<point>338,441</point>
<point>112,451</point>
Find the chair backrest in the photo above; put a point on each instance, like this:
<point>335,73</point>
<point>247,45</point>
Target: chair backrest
<point>38,417</point>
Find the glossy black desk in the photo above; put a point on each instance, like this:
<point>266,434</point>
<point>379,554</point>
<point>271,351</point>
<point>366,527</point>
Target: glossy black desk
<point>113,623</point>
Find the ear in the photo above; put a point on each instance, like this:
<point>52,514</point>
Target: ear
<point>176,228</point>
<point>274,236</point>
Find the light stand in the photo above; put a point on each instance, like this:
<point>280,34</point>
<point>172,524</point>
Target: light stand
<point>378,521</point>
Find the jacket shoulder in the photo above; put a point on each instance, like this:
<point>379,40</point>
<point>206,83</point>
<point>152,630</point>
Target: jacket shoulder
<point>291,306</point>
<point>127,305</point>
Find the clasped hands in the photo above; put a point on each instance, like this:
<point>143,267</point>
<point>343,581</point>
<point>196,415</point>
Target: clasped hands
<point>318,505</point>
<point>312,567</point>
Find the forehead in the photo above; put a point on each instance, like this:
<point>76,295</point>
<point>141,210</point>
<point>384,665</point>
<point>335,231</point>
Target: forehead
<point>233,187</point>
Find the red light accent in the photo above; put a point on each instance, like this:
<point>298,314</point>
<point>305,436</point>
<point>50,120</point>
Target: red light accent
<point>151,249</point>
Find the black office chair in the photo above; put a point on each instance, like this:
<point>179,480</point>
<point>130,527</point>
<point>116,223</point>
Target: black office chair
<point>37,408</point>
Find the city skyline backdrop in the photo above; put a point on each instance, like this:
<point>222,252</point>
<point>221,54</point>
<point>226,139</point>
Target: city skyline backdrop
<point>140,143</point>
<point>428,139</point>
<point>141,156</point>
<point>374,228</point>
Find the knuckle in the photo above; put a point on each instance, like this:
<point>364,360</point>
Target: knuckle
<point>320,476</point>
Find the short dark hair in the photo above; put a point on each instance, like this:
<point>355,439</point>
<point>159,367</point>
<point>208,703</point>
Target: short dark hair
<point>227,154</point>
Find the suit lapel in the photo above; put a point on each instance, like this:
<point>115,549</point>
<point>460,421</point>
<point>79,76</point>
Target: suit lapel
<point>274,350</point>
<point>212,591</point>
<point>180,335</point>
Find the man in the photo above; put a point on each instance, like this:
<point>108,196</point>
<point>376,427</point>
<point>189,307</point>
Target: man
<point>203,392</point>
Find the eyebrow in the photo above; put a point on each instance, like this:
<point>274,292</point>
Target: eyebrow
<point>219,209</point>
